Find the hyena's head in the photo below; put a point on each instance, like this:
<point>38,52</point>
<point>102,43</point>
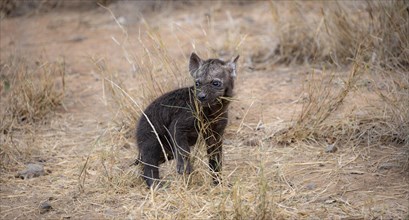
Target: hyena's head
<point>213,78</point>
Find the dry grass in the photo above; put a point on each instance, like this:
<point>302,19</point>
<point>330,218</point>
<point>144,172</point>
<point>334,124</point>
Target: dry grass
<point>29,95</point>
<point>150,66</point>
<point>385,116</point>
<point>363,109</point>
<point>332,32</point>
<point>380,66</point>
<point>322,100</point>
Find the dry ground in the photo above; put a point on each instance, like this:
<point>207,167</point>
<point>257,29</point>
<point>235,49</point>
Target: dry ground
<point>85,144</point>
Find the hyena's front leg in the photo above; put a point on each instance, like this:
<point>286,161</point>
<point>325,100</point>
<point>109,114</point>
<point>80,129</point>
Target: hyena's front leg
<point>149,155</point>
<point>215,153</point>
<point>181,146</point>
<point>183,160</point>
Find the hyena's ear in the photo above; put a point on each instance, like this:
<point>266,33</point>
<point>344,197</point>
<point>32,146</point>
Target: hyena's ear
<point>233,66</point>
<point>194,63</point>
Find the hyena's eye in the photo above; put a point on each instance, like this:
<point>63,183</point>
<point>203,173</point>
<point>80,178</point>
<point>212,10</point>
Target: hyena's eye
<point>217,83</point>
<point>197,83</point>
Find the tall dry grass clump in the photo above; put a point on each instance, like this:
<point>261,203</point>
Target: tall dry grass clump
<point>149,67</point>
<point>332,31</point>
<point>323,99</point>
<point>29,93</point>
<point>379,27</point>
<point>149,61</point>
<point>373,36</point>
<point>391,26</point>
<point>298,32</point>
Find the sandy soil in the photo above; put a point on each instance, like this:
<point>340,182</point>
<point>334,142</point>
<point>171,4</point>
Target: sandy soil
<point>350,183</point>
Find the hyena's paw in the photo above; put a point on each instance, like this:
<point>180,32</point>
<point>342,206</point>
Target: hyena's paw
<point>189,168</point>
<point>180,167</point>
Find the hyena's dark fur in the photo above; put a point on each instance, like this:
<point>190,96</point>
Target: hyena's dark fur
<point>178,116</point>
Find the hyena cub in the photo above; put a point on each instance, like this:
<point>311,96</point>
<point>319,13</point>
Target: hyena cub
<point>173,121</point>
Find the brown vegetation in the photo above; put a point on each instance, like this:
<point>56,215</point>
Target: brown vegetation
<point>313,74</point>
<point>378,51</point>
<point>30,95</point>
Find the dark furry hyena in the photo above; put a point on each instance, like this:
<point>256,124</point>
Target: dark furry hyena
<point>178,116</point>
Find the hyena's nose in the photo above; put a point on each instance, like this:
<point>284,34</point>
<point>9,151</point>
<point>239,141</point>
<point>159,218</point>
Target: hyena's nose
<point>201,96</point>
